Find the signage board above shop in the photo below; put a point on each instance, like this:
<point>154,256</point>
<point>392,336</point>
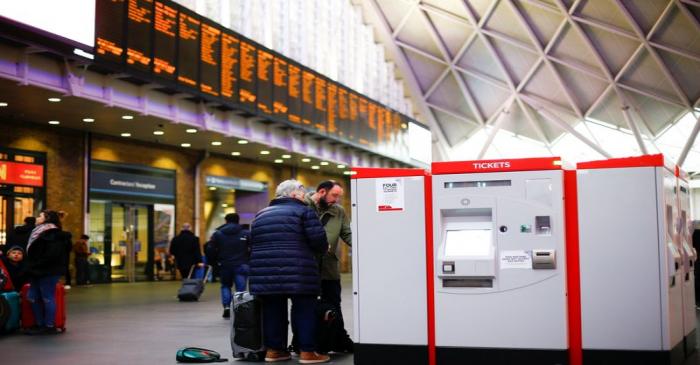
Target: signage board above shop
<point>15,173</point>
<point>235,183</point>
<point>132,181</point>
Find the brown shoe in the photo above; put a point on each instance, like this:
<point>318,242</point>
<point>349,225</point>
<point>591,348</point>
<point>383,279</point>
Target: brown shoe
<point>308,357</point>
<point>277,355</point>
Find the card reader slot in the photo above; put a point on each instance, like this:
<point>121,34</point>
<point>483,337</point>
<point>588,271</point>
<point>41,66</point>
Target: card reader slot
<point>467,283</point>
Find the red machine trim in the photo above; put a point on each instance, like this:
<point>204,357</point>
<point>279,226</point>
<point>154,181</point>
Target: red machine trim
<point>519,164</point>
<point>637,161</point>
<point>370,172</point>
<point>573,267</point>
<point>429,266</point>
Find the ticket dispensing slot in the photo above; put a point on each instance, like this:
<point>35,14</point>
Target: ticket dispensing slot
<point>674,262</point>
<point>466,256</point>
<point>544,259</point>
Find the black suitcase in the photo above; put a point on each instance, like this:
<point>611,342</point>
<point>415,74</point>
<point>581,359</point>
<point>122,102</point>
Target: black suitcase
<point>246,328</point>
<point>193,286</point>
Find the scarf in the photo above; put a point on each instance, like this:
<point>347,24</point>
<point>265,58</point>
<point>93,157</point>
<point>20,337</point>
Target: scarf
<point>37,231</point>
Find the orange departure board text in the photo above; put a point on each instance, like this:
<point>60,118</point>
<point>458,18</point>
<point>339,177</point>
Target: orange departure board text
<point>164,42</point>
<point>280,94</point>
<point>307,96</point>
<point>229,66</point>
<point>247,76</point>
<point>265,76</point>
<point>209,53</point>
<point>109,30</point>
<point>294,102</point>
<point>138,51</point>
<point>188,49</point>
<point>332,107</point>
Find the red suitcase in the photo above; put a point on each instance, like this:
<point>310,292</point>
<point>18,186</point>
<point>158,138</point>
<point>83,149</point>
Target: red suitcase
<point>5,285</point>
<point>28,316</point>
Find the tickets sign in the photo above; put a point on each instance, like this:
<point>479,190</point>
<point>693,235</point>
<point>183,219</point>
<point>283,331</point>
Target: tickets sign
<point>16,173</point>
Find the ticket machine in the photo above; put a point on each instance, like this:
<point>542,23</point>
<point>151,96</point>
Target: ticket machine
<point>689,257</point>
<point>631,266</point>
<point>390,285</point>
<point>500,283</point>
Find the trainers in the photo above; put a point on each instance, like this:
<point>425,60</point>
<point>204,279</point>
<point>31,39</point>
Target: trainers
<point>67,287</point>
<point>308,357</point>
<point>277,355</point>
<point>227,312</point>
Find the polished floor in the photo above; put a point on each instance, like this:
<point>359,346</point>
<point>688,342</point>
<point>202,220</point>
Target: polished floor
<point>140,323</point>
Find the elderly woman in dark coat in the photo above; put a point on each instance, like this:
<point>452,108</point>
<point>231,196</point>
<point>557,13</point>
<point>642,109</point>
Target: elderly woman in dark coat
<point>286,239</point>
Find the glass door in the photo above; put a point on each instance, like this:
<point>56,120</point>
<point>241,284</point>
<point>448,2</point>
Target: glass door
<point>131,239</point>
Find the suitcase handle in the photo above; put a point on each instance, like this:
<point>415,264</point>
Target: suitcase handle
<point>206,273</point>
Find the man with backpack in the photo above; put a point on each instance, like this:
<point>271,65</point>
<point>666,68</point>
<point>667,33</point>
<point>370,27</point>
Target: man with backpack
<point>230,250</point>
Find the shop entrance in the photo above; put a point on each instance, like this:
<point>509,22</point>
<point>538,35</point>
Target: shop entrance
<point>130,251</point>
<point>22,176</point>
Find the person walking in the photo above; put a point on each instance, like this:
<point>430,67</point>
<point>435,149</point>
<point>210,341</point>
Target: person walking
<point>45,263</point>
<point>230,250</point>
<point>286,238</point>
<point>185,248</point>
<point>81,252</point>
<point>326,202</point>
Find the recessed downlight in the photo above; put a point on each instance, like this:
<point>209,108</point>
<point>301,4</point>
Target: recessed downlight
<point>235,153</point>
<point>341,166</point>
<point>216,143</point>
<point>158,133</point>
<point>212,188</point>
<point>191,130</point>
<point>55,100</point>
<point>315,167</point>
<point>305,160</point>
<point>349,172</point>
<point>127,117</point>
<point>324,163</point>
<point>88,120</point>
<point>54,122</point>
<point>286,156</point>
<point>264,152</point>
<point>224,205</point>
<point>3,104</point>
<point>185,145</point>
<point>279,160</point>
<point>126,134</point>
<point>242,141</point>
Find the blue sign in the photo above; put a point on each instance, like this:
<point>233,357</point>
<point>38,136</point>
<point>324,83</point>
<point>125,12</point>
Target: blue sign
<point>235,183</point>
<point>123,183</point>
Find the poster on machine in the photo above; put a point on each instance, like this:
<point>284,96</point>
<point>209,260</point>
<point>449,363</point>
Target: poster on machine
<point>516,260</point>
<point>390,195</point>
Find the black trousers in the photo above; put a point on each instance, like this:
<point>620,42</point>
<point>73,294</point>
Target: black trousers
<point>81,270</point>
<point>330,293</point>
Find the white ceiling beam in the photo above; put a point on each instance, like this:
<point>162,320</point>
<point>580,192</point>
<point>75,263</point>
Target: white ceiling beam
<point>687,12</point>
<point>652,95</point>
<point>690,142</point>
<point>598,100</point>
<point>578,67</point>
<point>483,77</point>
<point>494,130</point>
<point>536,126</point>
<point>404,20</point>
<point>659,20</point>
<point>512,41</point>
<point>633,126</point>
<point>654,54</point>
<point>605,26</point>
<point>421,52</point>
<point>543,6</point>
<point>453,114</point>
<point>677,51</point>
<point>444,13</point>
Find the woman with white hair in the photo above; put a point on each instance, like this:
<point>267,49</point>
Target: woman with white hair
<point>286,238</point>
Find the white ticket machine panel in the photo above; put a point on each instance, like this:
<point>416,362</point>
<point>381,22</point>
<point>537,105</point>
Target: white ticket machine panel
<point>500,281</point>
<point>689,258</point>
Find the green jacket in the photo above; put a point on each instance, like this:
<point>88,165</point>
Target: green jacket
<point>337,227</point>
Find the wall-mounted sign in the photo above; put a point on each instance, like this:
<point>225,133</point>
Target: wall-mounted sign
<point>235,183</point>
<point>21,174</point>
<point>122,183</point>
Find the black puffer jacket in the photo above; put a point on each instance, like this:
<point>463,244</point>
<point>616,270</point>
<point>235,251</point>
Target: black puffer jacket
<point>47,255</point>
<point>230,245</point>
<point>286,238</point>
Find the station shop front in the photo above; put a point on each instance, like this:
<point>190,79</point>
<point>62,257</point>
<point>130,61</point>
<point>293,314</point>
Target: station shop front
<point>226,195</point>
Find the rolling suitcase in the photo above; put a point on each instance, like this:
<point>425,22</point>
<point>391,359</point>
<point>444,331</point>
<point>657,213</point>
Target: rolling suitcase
<point>9,311</point>
<point>27,319</point>
<point>246,328</point>
<point>193,286</point>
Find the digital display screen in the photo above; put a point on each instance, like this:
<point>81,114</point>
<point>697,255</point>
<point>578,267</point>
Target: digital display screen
<point>308,80</point>
<point>138,21</point>
<point>247,58</point>
<point>164,41</point>
<point>229,66</point>
<point>210,59</point>
<point>294,97</point>
<point>188,49</point>
<point>281,85</point>
<point>109,31</point>
<point>265,77</point>
<point>468,242</point>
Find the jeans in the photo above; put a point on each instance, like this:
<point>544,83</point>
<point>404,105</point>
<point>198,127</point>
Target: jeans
<point>330,293</point>
<point>229,275</point>
<point>42,295</point>
<point>81,270</point>
<point>303,321</point>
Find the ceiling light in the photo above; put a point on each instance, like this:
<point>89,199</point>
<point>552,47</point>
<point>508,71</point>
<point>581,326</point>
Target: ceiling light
<point>185,145</point>
<point>127,117</point>
<point>158,133</point>
<point>305,160</point>
<point>212,188</point>
<point>191,130</point>
<point>224,205</point>
<point>54,122</point>
<point>349,172</point>
<point>279,160</point>
<point>286,156</point>
<point>55,100</point>
<point>88,120</point>
<point>126,134</point>
<point>264,152</point>
<point>216,143</point>
<point>315,167</point>
<point>242,141</point>
<point>341,166</point>
<point>3,104</point>
<point>235,153</point>
<point>324,163</point>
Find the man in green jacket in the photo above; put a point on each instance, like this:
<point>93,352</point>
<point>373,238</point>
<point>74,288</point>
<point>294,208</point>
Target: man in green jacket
<point>326,201</point>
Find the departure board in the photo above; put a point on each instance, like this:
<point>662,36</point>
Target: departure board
<point>265,77</point>
<point>229,66</point>
<point>247,95</point>
<point>109,31</point>
<point>210,58</point>
<point>164,42</point>
<point>188,49</point>
<point>281,85</point>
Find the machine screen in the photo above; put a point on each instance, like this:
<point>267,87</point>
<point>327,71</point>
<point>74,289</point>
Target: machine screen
<point>468,242</point>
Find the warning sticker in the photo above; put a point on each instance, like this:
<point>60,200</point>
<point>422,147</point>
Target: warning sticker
<point>390,195</point>
<point>516,260</point>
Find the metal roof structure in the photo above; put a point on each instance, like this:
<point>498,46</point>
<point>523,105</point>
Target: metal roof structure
<point>548,70</point>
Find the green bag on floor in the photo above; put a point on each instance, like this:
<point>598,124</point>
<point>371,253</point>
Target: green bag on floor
<point>197,355</point>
